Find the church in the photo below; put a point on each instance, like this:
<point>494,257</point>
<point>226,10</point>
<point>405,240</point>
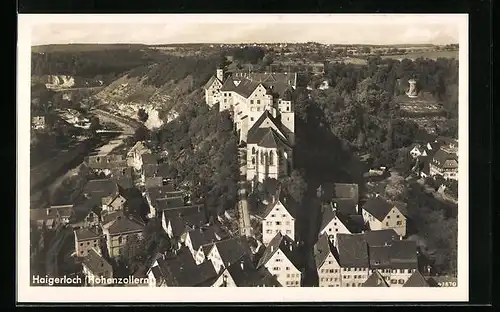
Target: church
<point>263,115</point>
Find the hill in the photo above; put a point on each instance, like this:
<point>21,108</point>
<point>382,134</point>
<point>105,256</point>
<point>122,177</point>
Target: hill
<point>162,89</point>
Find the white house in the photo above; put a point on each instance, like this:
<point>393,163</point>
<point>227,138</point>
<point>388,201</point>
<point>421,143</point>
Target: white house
<point>334,222</point>
<point>282,259</point>
<point>279,217</point>
<point>380,215</point>
<point>327,264</point>
<point>96,269</point>
<point>226,252</point>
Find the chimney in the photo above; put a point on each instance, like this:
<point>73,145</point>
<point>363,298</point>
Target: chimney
<point>291,247</point>
<point>242,265</point>
<point>272,248</point>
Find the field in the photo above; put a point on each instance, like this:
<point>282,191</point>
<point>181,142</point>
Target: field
<point>428,54</point>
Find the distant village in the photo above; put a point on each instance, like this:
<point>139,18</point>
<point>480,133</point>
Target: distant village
<point>360,243</point>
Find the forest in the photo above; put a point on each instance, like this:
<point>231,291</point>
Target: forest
<point>202,149</point>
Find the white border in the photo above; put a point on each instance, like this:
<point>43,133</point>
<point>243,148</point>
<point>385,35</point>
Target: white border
<point>26,293</point>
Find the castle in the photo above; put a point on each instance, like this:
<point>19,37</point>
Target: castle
<point>264,118</point>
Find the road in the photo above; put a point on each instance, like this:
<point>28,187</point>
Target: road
<point>243,214</point>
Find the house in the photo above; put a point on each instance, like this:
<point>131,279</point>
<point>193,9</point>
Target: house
<point>180,270</point>
<point>202,236</point>
<point>64,212</point>
<point>134,155</point>
<point>105,163</point>
<point>104,190</point>
<point>178,221</point>
<point>283,260</point>
<point>353,259</point>
<point>333,221</point>
<point>117,202</point>
<point>86,213</point>
<point>344,195</point>
<point>380,214</point>
<point>44,218</point>
<point>327,264</point>
<point>263,114</point>
<point>86,240</point>
<point>122,177</point>
<point>403,261</point>
<point>117,230</point>
<point>416,280</point>
<point>152,194</point>
<point>445,164</point>
<point>375,280</point>
<point>279,217</point>
<point>97,270</point>
<point>243,273</point>
<point>226,252</point>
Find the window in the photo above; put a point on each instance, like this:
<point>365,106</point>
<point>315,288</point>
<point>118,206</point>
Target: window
<point>276,268</point>
<point>258,101</point>
<point>296,282</point>
<point>269,231</point>
<point>253,160</point>
<point>287,268</point>
<point>273,215</point>
<point>278,260</point>
<point>331,270</point>
<point>347,285</point>
<point>393,281</point>
<point>288,232</point>
<point>397,216</point>
<point>401,281</point>
<point>287,223</point>
<point>271,157</point>
<point>387,223</point>
<point>336,279</point>
<point>269,223</point>
<point>81,244</point>
<point>288,275</point>
<point>288,108</point>
<point>225,100</point>
<point>388,217</point>
<point>398,223</point>
<point>329,230</point>
<point>251,101</point>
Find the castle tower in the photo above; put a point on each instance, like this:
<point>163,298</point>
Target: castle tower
<point>220,74</point>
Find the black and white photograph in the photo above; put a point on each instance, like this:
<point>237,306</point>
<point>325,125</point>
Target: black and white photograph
<point>242,150</point>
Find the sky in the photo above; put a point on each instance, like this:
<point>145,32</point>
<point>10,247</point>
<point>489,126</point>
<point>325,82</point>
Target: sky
<point>164,29</point>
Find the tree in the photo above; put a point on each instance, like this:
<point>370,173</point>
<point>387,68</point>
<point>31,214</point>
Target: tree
<point>396,188</point>
<point>141,134</point>
<point>142,114</point>
<point>94,125</point>
<point>295,185</point>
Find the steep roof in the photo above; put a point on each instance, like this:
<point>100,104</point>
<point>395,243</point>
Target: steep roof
<point>403,254</point>
<point>150,159</point>
<point>354,225</point>
<point>286,245</point>
<point>85,234</point>
<point>228,85</point>
<point>380,257</point>
<point>378,207</point>
<point>244,274</point>
<point>353,250</point>
<point>230,250</point>
<point>375,280</point>
<point>163,170</point>
<point>287,201</point>
<point>182,270</point>
<point>122,224</point>
<point>246,87</point>
<point>205,235</point>
<point>322,249</point>
<point>163,191</point>
<point>100,188</point>
<point>96,263</point>
<point>445,160</point>
<point>210,82</point>
<point>272,139</point>
<point>170,202</point>
<point>416,280</point>
<point>346,206</point>
<point>257,125</point>
<point>380,237</point>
